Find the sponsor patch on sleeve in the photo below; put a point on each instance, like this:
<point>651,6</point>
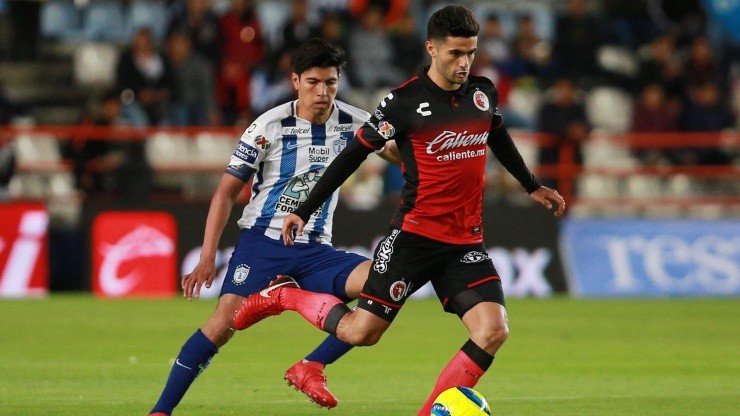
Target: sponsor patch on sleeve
<point>246,153</point>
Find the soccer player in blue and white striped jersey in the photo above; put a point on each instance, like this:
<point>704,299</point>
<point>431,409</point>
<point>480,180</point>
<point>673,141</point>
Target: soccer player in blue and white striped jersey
<point>284,153</point>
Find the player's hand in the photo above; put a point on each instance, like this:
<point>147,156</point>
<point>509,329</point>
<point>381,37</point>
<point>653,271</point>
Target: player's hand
<point>292,222</point>
<point>546,197</point>
<point>204,273</point>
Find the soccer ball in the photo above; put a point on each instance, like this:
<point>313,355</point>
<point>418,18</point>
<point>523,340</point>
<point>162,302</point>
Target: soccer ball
<point>460,401</point>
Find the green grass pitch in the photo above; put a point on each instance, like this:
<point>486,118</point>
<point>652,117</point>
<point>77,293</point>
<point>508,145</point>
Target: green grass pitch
<point>77,355</point>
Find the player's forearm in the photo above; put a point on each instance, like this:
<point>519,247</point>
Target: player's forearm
<point>338,171</point>
<point>506,152</point>
<point>218,215</point>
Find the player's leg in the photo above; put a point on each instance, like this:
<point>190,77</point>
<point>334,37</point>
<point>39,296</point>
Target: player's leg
<point>197,352</point>
<point>477,298</point>
<point>307,375</point>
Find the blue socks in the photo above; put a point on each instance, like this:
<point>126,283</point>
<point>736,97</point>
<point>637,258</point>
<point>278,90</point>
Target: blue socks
<point>194,357</point>
<point>329,351</point>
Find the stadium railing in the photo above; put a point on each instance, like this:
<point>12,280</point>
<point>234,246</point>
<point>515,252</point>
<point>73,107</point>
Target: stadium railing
<point>609,176</point>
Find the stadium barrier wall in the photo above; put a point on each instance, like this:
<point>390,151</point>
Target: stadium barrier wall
<point>522,241</point>
<point>651,257</point>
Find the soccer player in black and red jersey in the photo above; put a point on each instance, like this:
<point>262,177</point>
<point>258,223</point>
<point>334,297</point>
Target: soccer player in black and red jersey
<point>441,120</point>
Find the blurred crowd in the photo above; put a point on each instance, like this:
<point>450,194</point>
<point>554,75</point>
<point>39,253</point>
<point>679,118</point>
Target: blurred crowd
<point>567,68</point>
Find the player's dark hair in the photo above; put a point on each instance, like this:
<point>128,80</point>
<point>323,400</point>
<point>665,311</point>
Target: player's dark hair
<point>455,21</point>
<point>317,53</point>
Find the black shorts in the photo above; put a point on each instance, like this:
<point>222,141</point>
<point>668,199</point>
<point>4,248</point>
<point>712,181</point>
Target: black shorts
<point>462,275</point>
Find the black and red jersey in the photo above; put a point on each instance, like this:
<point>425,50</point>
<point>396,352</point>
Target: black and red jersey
<point>442,137</point>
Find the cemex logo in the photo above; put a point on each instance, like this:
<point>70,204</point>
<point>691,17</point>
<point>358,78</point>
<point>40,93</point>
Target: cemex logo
<point>24,268</point>
<point>134,254</point>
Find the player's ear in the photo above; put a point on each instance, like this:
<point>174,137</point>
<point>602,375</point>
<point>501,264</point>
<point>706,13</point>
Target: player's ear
<point>296,80</point>
<point>431,49</point>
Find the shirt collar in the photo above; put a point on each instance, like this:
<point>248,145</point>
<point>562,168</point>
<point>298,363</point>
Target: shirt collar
<point>424,77</point>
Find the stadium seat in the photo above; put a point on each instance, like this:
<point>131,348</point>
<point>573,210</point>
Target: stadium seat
<point>105,20</point>
<point>272,14</point>
<point>60,20</point>
<point>168,154</point>
<point>609,109</point>
<point>618,60</point>
<point>525,102</point>
<point>152,14</point>
<point>94,64</point>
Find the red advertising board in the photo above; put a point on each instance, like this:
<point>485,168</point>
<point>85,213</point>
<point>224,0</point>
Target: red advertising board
<point>24,250</point>
<point>134,254</point>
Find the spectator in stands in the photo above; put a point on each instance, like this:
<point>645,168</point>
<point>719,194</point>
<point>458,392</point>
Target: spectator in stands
<point>202,25</point>
<point>392,11</point>
<point>371,53</point>
<point>654,112</point>
<point>529,58</point>
<point>145,77</point>
<point>659,65</point>
<point>408,47</point>
<point>233,93</point>
<point>242,34</point>
<point>332,28</point>
<point>701,66</point>
<point>705,112</point>
<point>492,39</point>
<point>270,83</point>
<point>193,95</point>
<point>99,162</point>
<point>297,29</point>
<point>8,108</point>
<point>7,168</point>
<point>578,37</point>
<point>564,117</point>
<point>628,21</point>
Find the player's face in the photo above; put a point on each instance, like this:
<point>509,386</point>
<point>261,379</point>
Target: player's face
<point>451,60</point>
<point>316,88</point>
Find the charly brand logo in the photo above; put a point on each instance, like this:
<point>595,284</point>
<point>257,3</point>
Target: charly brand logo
<point>421,110</point>
<point>474,257</point>
<point>451,140</point>
<point>384,253</point>
<point>143,241</point>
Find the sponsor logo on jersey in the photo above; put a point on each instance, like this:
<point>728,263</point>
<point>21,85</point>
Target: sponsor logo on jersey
<point>291,146</point>
<point>339,128</point>
<point>398,290</point>
<point>423,112</point>
<point>295,131</point>
<point>386,129</point>
<point>384,253</point>
<point>451,140</point>
<point>246,152</point>
<point>262,142</point>
<point>318,154</point>
<point>297,190</point>
<point>240,274</point>
<point>474,257</point>
<point>481,101</point>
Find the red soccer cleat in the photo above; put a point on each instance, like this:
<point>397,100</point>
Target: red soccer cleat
<point>308,377</point>
<point>266,302</point>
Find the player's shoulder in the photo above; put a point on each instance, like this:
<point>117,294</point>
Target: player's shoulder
<point>480,82</point>
<point>271,118</point>
<point>355,112</point>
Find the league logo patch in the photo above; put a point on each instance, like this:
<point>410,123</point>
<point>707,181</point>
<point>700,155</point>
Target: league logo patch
<point>473,257</point>
<point>398,290</point>
<point>481,101</point>
<point>262,142</point>
<point>379,114</point>
<point>240,274</point>
<point>386,129</point>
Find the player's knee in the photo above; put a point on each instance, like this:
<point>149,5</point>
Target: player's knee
<point>366,338</point>
<point>491,337</point>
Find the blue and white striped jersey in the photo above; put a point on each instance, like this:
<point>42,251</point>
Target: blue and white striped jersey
<point>288,155</point>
